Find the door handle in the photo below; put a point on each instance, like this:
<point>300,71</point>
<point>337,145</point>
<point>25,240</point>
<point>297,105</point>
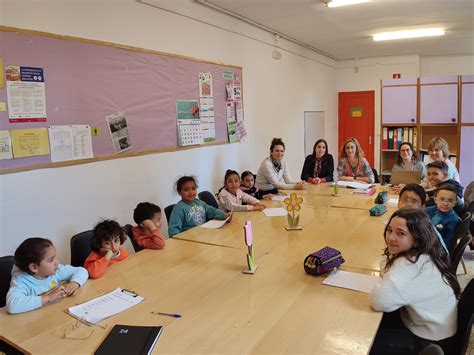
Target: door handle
<point>370,139</point>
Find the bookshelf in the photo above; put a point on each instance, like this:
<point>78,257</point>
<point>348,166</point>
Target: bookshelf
<point>417,109</point>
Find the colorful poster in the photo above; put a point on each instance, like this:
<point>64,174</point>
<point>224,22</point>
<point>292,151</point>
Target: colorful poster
<point>231,123</point>
<point>29,142</point>
<point>118,129</point>
<point>70,142</point>
<point>205,85</point>
<point>237,89</point>
<point>189,124</point>
<point>5,145</point>
<point>26,94</point>
<point>206,112</point>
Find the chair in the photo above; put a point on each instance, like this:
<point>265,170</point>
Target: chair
<point>461,230</point>
<point>208,198</point>
<point>465,317</point>
<point>127,229</point>
<point>376,176</point>
<point>6,265</point>
<point>168,210</point>
<point>456,255</point>
<point>80,248</point>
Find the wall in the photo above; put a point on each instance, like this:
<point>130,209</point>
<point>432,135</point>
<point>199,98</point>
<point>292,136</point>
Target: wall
<point>447,65</point>
<point>57,203</point>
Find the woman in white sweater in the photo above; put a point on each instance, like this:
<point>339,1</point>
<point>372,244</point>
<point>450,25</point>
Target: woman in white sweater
<point>417,292</point>
<point>274,174</point>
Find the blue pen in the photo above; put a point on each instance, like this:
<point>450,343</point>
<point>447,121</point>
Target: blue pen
<point>174,315</point>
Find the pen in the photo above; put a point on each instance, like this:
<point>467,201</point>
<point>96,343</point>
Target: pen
<point>174,315</point>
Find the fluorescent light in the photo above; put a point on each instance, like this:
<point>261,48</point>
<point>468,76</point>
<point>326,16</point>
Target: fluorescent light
<point>426,32</point>
<point>337,3</point>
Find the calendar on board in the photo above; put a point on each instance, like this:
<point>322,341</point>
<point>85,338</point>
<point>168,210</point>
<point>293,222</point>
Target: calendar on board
<point>190,134</point>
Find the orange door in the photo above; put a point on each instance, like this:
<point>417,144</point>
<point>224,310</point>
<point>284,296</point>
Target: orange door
<point>356,119</point>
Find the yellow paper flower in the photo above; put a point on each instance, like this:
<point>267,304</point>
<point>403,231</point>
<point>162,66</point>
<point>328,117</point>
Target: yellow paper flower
<point>293,202</point>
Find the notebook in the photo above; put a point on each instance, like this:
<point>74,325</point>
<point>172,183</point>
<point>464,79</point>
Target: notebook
<point>406,177</point>
<point>129,339</point>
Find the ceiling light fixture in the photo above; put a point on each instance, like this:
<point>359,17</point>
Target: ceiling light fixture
<point>425,32</point>
<point>337,3</point>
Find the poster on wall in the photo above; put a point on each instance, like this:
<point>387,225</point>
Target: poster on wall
<point>205,85</point>
<point>29,142</point>
<point>70,142</point>
<point>206,112</point>
<point>118,129</point>
<point>5,145</point>
<point>231,123</point>
<point>1,73</point>
<point>189,124</point>
<point>26,94</point>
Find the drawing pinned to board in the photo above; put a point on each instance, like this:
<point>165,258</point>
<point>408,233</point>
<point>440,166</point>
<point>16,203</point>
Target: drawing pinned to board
<point>189,125</point>
<point>5,145</point>
<point>29,142</point>
<point>118,129</point>
<point>26,94</point>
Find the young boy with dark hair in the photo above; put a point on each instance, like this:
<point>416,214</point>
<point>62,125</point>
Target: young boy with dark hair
<point>147,233</point>
<point>437,176</point>
<point>442,215</point>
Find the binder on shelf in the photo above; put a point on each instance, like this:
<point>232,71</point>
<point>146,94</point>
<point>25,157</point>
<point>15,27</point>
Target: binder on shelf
<point>399,137</point>
<point>405,134</point>
<point>390,138</point>
<point>414,138</point>
<point>410,135</point>
<point>385,138</point>
<point>395,138</point>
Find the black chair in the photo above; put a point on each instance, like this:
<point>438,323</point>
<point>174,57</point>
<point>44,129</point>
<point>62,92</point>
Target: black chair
<point>127,229</point>
<point>465,318</point>
<point>432,349</point>
<point>168,210</point>
<point>376,176</point>
<point>6,265</point>
<point>208,198</point>
<point>456,256</point>
<point>80,248</point>
<point>461,230</point>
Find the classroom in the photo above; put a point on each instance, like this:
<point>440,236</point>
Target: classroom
<point>277,94</point>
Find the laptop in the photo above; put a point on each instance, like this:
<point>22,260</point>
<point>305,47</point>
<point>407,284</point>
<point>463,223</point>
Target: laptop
<point>406,177</point>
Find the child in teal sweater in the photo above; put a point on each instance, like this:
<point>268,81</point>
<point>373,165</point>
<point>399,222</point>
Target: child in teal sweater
<point>190,211</point>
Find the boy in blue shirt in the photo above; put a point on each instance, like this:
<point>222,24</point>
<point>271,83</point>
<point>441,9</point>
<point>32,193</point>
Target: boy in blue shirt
<point>37,277</point>
<point>442,215</point>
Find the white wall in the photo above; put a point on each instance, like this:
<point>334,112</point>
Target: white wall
<point>447,65</point>
<point>57,203</point>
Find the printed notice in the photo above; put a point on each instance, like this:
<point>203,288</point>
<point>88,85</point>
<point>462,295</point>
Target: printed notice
<point>189,124</point>
<point>119,132</point>
<point>206,112</point>
<point>5,145</point>
<point>205,85</point>
<point>26,94</point>
<point>70,142</point>
<point>231,123</point>
<point>29,142</point>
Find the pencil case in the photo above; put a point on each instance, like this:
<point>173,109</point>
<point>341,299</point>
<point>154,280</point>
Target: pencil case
<point>322,261</point>
<point>378,210</point>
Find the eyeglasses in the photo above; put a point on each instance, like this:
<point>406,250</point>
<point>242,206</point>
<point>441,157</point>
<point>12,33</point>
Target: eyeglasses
<point>448,201</point>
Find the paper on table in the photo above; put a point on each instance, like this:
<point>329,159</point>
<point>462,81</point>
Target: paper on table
<point>105,306</point>
<point>279,198</point>
<point>274,212</point>
<point>350,280</point>
<point>354,184</point>
<point>214,223</point>
<point>393,201</point>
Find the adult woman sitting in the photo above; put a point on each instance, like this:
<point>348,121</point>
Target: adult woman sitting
<point>352,164</point>
<point>438,149</point>
<point>319,166</point>
<point>407,161</point>
<point>273,173</point>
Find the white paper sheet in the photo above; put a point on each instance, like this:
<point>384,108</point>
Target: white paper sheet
<point>5,145</point>
<point>214,223</point>
<point>274,212</point>
<point>70,142</point>
<point>105,306</point>
<point>279,198</point>
<point>352,281</point>
<point>393,201</point>
<point>354,184</point>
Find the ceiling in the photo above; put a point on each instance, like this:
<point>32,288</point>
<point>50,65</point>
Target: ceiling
<point>345,32</point>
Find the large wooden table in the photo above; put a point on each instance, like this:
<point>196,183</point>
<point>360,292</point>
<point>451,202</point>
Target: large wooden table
<point>279,309</point>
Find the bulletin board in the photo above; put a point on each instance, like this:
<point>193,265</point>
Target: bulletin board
<point>87,80</point>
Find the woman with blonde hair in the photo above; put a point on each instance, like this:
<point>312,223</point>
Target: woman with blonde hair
<point>438,149</point>
<point>352,164</point>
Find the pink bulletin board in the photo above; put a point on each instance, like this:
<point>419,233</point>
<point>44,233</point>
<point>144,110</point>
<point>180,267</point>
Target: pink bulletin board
<point>87,80</point>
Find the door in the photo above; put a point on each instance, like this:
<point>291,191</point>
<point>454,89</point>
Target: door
<point>313,129</point>
<point>356,119</point>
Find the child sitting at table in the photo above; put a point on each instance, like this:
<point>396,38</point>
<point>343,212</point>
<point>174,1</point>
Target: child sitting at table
<point>417,288</point>
<point>147,233</point>
<point>248,186</point>
<point>37,277</point>
<point>443,217</point>
<point>190,211</point>
<point>106,241</point>
<point>437,175</point>
<point>230,197</point>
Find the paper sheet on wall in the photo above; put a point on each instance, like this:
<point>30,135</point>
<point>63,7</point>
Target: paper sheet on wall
<point>26,94</point>
<point>1,73</point>
<point>118,129</point>
<point>205,85</point>
<point>189,124</point>
<point>231,123</point>
<point>70,142</point>
<point>29,142</point>
<point>206,112</point>
<point>5,145</point>
<point>105,306</point>
<point>241,131</point>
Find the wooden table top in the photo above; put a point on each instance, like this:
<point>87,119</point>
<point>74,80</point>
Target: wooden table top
<point>279,309</point>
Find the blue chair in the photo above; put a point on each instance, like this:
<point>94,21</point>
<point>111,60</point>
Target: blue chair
<point>80,248</point>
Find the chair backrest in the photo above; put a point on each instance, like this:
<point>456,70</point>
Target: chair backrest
<point>127,229</point>
<point>432,349</point>
<point>461,230</point>
<point>208,198</point>
<point>168,210</point>
<point>80,248</point>
<point>376,176</point>
<point>456,255</point>
<point>6,265</point>
<point>465,317</point>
